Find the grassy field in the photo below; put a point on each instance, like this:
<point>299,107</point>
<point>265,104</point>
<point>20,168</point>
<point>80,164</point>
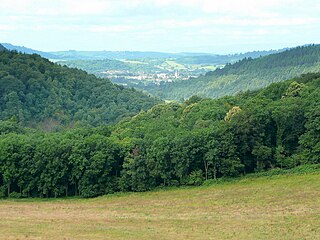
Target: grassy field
<point>279,207</point>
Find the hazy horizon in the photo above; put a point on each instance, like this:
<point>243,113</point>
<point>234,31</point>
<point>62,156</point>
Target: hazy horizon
<point>156,51</point>
<point>173,26</point>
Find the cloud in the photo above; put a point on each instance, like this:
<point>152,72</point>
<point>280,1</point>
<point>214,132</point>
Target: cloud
<point>241,7</point>
<point>244,7</point>
<point>153,22</point>
<point>57,7</point>
<point>111,29</point>
<point>236,22</point>
<point>4,27</point>
<point>265,22</point>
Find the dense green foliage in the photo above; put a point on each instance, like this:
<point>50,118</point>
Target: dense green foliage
<point>247,74</point>
<point>170,144</point>
<point>42,94</point>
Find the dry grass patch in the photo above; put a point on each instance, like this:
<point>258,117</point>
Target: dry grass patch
<point>282,207</point>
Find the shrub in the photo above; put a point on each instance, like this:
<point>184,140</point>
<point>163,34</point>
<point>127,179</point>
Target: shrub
<point>14,195</point>
<point>196,178</point>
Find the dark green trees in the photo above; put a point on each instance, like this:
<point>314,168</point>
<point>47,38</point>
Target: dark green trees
<point>48,96</point>
<point>169,145</point>
<point>310,140</point>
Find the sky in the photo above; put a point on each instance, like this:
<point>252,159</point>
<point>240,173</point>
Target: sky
<point>224,26</point>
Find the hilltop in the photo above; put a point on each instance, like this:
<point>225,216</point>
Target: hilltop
<point>41,94</point>
<point>26,50</point>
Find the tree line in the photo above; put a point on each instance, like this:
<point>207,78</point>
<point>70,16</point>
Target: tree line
<point>169,145</point>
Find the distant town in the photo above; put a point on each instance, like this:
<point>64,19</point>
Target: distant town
<point>126,76</point>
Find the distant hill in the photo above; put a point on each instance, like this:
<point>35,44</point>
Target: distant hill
<point>2,48</point>
<point>95,55</point>
<point>216,59</point>
<point>154,63</point>
<point>97,66</point>
<point>246,74</point>
<point>91,55</point>
<point>184,57</point>
<point>39,93</point>
<point>187,58</point>
<point>28,51</point>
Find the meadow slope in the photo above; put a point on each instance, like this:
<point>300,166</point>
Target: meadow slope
<point>279,207</point>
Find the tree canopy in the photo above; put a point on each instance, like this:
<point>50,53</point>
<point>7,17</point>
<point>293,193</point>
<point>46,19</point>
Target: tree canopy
<point>171,144</point>
<point>41,94</point>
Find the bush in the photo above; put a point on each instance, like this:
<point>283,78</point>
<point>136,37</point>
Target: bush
<point>195,178</point>
<point>14,195</point>
<point>174,183</point>
<point>2,191</point>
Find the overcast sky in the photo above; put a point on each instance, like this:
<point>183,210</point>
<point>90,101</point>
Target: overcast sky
<point>224,26</point>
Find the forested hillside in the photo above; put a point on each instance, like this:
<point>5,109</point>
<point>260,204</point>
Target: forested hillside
<point>216,59</point>
<point>41,94</point>
<point>2,48</point>
<point>247,74</point>
<point>170,144</point>
<point>97,66</point>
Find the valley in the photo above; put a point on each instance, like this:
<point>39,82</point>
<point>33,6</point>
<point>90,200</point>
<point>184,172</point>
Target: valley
<point>143,70</point>
<point>160,119</point>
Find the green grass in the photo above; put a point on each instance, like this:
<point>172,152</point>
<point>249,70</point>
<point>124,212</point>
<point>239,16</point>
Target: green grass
<point>175,65</point>
<point>268,207</point>
<point>302,169</point>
